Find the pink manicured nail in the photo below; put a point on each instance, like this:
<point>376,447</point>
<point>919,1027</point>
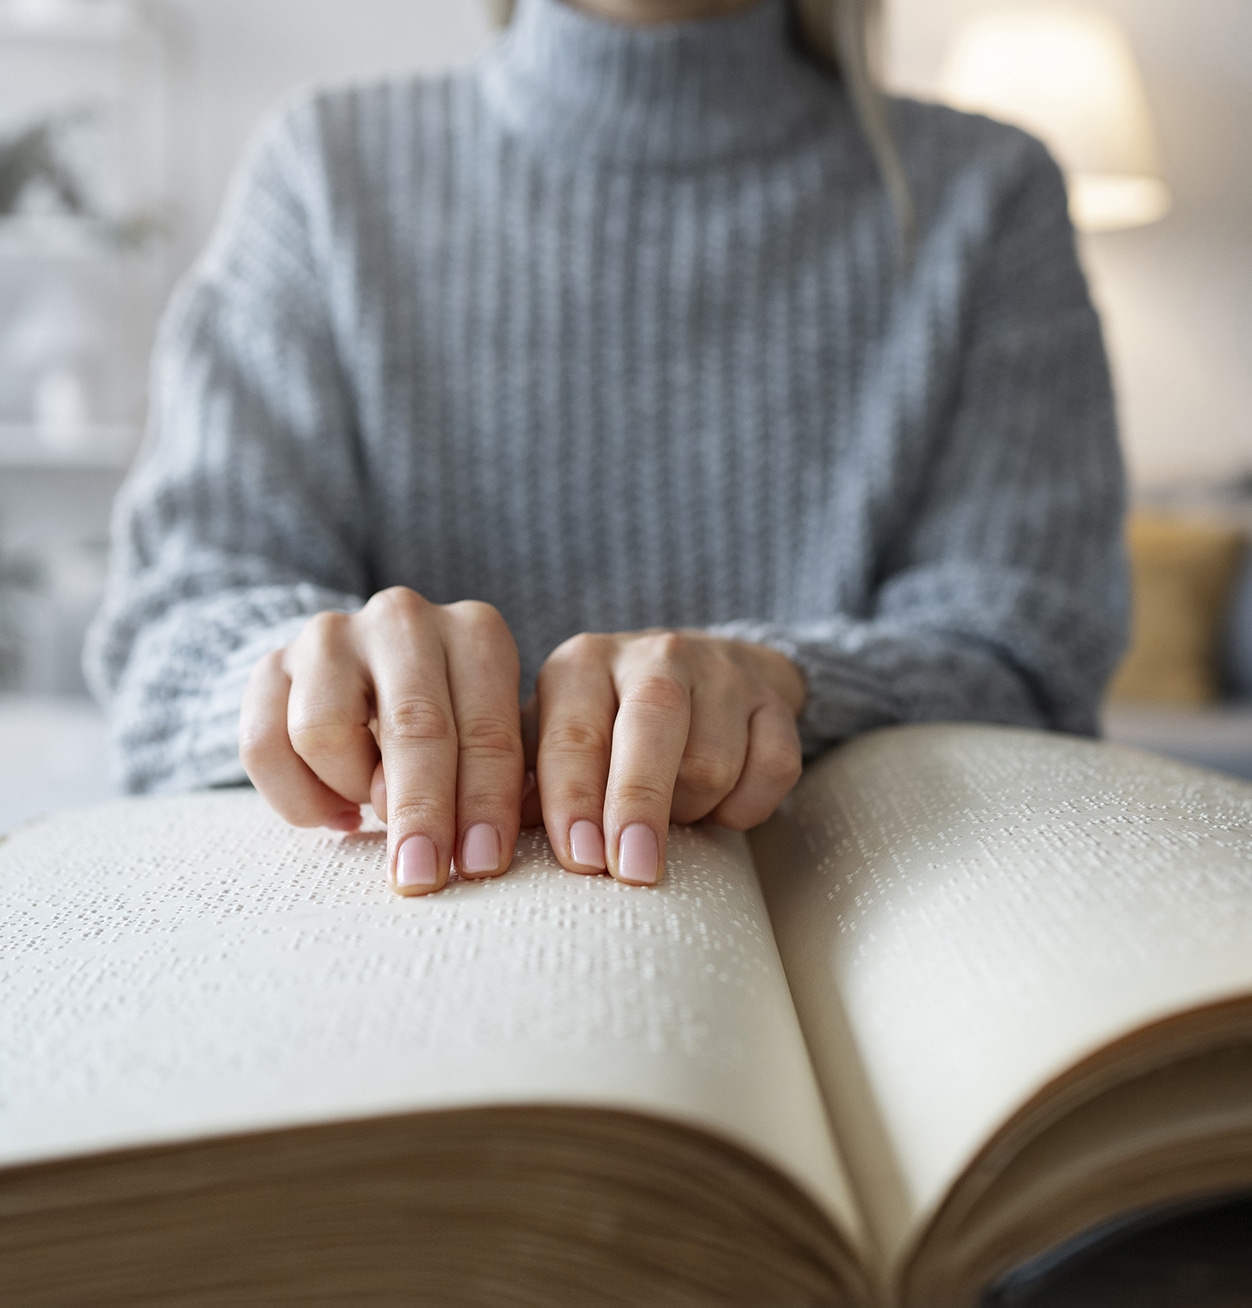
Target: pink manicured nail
<point>417,863</point>
<point>639,856</point>
<point>481,849</point>
<point>586,845</point>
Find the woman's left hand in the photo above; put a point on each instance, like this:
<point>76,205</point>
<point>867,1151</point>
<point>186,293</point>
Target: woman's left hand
<point>636,730</point>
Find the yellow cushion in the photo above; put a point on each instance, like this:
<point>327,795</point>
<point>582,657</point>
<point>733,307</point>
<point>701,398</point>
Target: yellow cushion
<point>1184,570</point>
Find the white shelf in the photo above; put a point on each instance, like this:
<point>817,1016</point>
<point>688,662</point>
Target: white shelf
<point>100,22</point>
<point>103,448</point>
<point>52,236</point>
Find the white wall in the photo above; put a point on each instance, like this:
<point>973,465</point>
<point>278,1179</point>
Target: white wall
<point>1177,297</point>
<point>232,59</point>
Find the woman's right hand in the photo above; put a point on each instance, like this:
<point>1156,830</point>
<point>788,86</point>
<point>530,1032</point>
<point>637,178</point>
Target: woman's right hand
<point>425,695</point>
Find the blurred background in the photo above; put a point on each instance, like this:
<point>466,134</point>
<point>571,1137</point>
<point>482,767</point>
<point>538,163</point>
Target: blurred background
<point>121,122</point>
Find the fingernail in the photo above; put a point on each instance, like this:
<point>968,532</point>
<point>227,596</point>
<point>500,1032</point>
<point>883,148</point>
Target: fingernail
<point>417,863</point>
<point>639,856</point>
<point>348,820</point>
<point>529,783</point>
<point>480,851</point>
<point>586,845</point>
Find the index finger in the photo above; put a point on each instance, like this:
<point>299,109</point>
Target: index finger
<point>649,737</point>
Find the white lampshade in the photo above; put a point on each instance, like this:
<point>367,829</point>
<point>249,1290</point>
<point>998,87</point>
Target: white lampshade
<point>1067,74</point>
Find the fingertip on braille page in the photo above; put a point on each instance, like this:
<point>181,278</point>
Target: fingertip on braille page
<point>639,856</point>
<point>480,850</point>
<point>348,820</point>
<point>417,865</point>
<point>586,845</point>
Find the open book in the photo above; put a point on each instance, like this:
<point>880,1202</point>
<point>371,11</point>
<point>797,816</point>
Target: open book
<point>972,992</point>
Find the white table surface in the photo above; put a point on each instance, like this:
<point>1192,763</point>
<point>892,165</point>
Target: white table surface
<point>51,756</point>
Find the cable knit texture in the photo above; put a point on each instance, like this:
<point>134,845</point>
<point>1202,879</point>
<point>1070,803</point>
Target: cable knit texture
<point>613,330</point>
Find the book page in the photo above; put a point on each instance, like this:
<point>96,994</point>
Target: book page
<point>190,967</point>
<point>966,912</point>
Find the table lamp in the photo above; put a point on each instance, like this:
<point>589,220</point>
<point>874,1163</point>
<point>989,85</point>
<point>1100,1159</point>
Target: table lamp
<point>1067,74</point>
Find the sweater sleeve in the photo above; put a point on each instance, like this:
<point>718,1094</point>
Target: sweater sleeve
<point>245,513</point>
<point>1004,598</point>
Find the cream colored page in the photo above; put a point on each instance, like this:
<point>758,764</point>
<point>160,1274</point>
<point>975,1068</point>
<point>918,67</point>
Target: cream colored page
<point>965,912</point>
<point>189,967</point>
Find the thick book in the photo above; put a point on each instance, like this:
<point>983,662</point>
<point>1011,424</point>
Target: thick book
<point>972,993</point>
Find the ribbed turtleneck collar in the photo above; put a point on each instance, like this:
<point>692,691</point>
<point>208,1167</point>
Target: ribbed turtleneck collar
<point>675,93</point>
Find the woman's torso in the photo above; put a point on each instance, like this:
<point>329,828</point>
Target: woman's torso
<point>609,374</point>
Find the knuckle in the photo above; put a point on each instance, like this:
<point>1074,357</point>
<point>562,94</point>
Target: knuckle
<point>708,772</point>
<point>397,604</point>
<point>579,796</point>
<point>659,690</point>
<point>265,673</point>
<point>577,738</point>
<point>489,737</point>
<point>259,749</point>
<point>585,648</point>
<point>780,765</point>
<point>642,794</point>
<point>270,664</point>
<point>417,815</point>
<point>481,619</point>
<point>324,630</point>
<point>417,719</point>
<point>319,736</point>
<point>670,646</point>
<point>723,678</point>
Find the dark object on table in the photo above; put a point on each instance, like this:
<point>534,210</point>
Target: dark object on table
<point>1198,1259</point>
<point>1237,644</point>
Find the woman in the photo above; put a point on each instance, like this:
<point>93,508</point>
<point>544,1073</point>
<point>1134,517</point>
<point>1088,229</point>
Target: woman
<point>650,324</point>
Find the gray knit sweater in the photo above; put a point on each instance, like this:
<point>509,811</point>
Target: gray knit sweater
<point>613,331</point>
